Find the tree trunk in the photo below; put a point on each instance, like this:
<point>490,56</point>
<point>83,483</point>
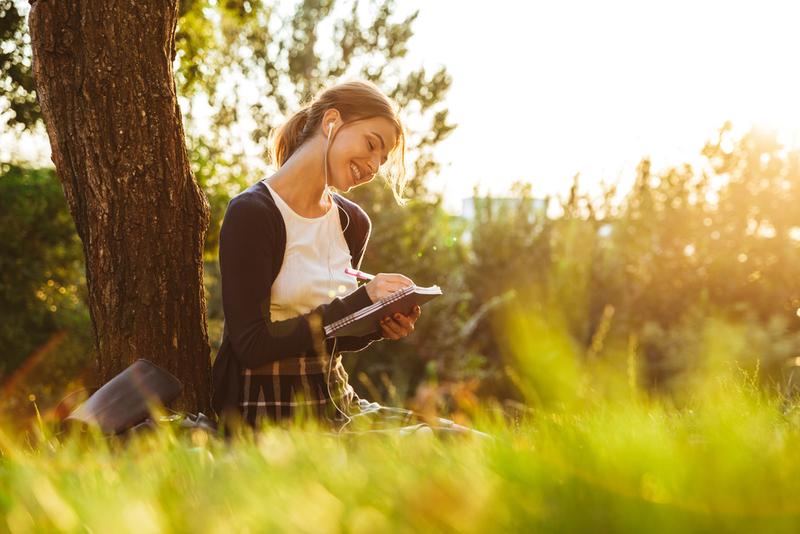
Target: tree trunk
<point>104,79</point>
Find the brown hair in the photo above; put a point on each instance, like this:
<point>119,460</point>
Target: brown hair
<point>355,100</point>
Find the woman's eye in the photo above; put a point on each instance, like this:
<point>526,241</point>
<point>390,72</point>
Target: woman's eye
<point>370,145</point>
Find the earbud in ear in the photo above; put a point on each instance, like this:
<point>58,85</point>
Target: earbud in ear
<point>330,129</point>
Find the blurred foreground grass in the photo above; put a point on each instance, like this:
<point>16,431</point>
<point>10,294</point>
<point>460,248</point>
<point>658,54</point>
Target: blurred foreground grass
<point>612,466</point>
<point>595,452</point>
<point>636,466</point>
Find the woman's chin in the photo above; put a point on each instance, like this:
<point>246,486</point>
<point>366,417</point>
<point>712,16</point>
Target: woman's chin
<point>349,185</point>
<point>344,188</point>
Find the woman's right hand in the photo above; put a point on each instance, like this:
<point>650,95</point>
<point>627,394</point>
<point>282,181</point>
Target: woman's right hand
<point>384,284</point>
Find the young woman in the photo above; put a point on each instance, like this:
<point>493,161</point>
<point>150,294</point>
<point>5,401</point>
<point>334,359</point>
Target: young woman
<point>285,243</point>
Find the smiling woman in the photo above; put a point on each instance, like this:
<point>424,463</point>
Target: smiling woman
<point>285,244</point>
<point>363,125</point>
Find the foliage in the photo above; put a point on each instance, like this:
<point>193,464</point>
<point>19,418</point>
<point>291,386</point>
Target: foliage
<point>42,287</point>
<point>16,79</point>
<point>195,41</point>
<point>631,280</point>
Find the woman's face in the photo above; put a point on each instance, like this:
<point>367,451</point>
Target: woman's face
<point>357,150</point>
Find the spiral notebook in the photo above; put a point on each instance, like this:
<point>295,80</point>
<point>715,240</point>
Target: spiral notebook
<point>367,320</point>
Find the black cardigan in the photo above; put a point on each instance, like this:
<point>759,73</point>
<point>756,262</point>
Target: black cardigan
<point>252,243</point>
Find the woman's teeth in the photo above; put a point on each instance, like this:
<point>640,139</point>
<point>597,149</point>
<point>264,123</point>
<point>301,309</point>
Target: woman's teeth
<point>355,171</point>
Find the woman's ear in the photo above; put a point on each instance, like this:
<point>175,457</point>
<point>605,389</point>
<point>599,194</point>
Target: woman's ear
<point>331,116</point>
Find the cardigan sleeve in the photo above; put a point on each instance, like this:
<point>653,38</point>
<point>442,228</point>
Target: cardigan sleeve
<point>247,247</point>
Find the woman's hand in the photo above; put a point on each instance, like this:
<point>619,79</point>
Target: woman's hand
<point>384,284</point>
<point>398,325</point>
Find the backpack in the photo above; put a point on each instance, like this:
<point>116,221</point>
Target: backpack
<point>124,404</point>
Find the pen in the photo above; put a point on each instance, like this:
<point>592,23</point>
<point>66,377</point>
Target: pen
<point>361,275</point>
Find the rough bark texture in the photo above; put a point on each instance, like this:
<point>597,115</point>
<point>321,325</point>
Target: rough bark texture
<point>104,79</point>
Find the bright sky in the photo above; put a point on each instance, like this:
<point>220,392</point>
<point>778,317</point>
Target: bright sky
<point>544,90</point>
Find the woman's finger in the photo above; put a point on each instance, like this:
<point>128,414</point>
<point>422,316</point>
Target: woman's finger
<point>400,284</point>
<point>396,334</point>
<point>394,286</point>
<point>392,327</point>
<point>400,280</point>
<point>405,322</point>
<point>406,281</point>
<point>388,334</point>
<point>399,327</point>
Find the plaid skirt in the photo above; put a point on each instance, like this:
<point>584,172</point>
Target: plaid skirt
<point>279,390</point>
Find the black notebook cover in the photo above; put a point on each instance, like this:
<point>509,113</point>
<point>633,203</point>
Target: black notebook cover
<point>367,320</point>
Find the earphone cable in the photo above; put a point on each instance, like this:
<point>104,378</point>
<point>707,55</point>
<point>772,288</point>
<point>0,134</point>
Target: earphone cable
<point>330,276</point>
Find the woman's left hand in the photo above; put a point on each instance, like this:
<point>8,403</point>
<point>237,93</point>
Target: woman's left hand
<point>398,325</point>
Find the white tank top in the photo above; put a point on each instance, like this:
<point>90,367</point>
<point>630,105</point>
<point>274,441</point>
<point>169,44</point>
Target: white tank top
<point>313,266</point>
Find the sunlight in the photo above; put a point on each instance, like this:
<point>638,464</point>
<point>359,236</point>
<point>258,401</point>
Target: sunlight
<point>589,87</point>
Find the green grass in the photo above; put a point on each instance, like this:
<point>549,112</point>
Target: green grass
<point>613,466</point>
<point>595,454</point>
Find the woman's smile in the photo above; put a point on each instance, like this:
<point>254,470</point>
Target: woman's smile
<point>356,172</point>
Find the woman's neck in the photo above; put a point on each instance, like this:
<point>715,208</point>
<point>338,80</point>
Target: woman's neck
<point>300,181</point>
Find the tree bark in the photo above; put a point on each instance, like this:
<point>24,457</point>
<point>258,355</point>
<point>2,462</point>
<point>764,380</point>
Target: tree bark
<point>103,75</point>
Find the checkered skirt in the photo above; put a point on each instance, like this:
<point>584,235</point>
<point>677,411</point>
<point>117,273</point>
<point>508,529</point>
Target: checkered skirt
<point>279,390</point>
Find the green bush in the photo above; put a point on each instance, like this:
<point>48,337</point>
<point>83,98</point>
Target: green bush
<point>46,327</point>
